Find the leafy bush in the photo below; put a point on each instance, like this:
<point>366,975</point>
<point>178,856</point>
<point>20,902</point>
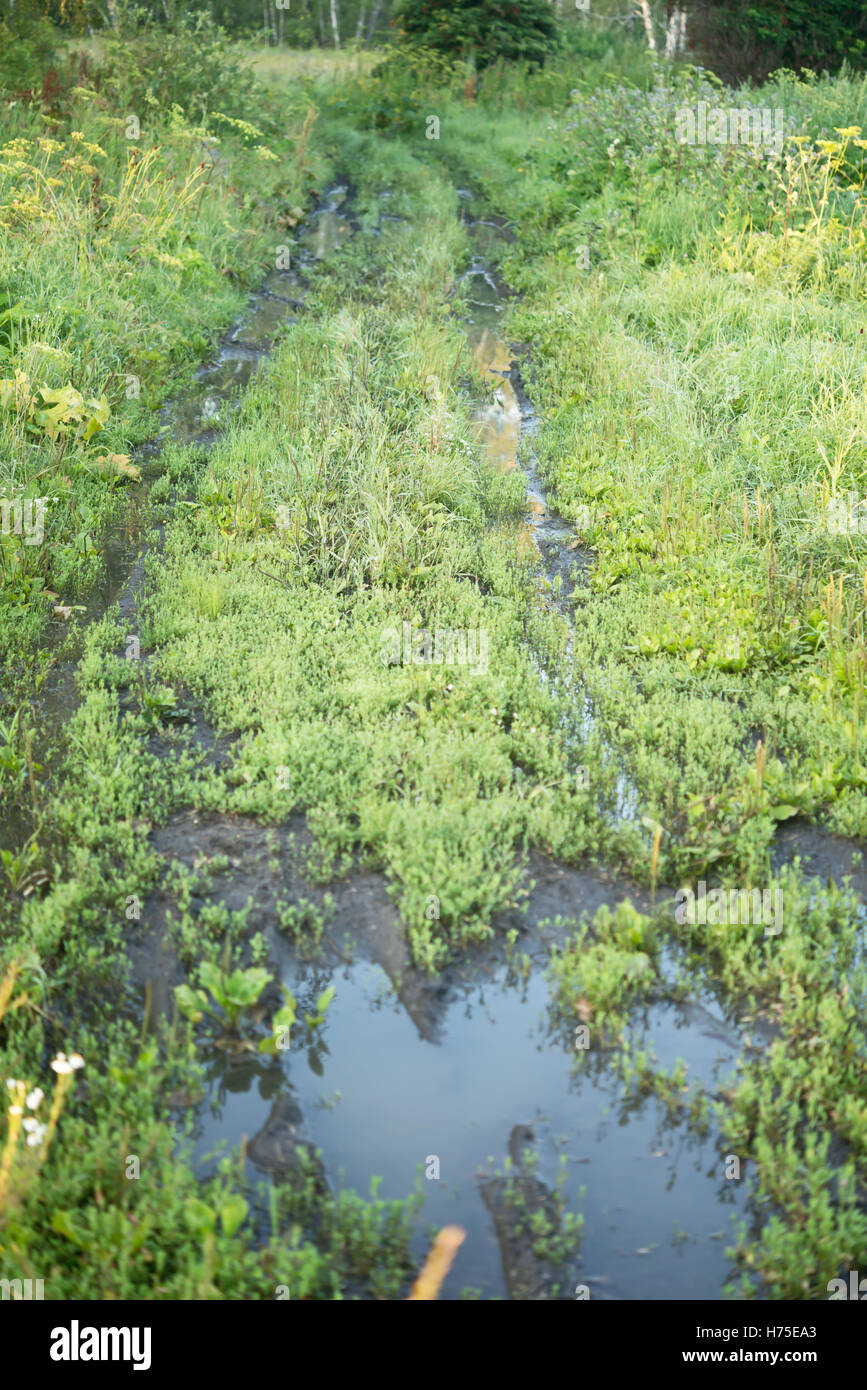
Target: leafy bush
<point>404,84</point>
<point>515,30</point>
<point>190,63</point>
<point>743,39</point>
<point>27,46</point>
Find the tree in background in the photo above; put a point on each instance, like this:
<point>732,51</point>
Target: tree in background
<point>27,45</point>
<point>740,39</point>
<point>815,34</point>
<point>736,38</point>
<point>675,28</point>
<point>301,23</point>
<point>522,30</point>
<point>297,23</point>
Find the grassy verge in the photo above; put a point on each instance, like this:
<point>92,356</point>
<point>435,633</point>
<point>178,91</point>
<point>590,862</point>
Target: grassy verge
<point>132,222</point>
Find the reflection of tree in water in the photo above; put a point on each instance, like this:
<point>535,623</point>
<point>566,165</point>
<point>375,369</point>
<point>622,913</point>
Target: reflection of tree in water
<point>307,992</point>
<point>228,1073</point>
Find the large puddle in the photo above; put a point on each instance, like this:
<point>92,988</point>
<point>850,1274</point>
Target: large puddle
<point>467,1069</point>
<point>379,1099</point>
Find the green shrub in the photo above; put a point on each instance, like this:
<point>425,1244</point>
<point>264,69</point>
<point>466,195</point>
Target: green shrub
<point>515,30</point>
<point>191,64</point>
<point>404,84</point>
<point>27,47</point>
<point>743,39</point>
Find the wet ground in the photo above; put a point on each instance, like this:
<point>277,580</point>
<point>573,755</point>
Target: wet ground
<point>466,1068</point>
<point>195,418</point>
<point>410,1074</point>
<point>408,1068</point>
<point>506,423</point>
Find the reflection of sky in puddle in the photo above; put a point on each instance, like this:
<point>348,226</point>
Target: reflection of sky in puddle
<point>497,420</point>
<point>649,1185</point>
<point>213,388</point>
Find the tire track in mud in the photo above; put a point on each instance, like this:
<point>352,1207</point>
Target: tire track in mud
<point>508,424</point>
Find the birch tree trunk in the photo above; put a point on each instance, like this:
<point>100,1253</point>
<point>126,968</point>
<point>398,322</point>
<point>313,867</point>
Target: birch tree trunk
<point>335,23</point>
<point>648,24</point>
<point>359,28</point>
<point>374,19</point>
<point>675,37</point>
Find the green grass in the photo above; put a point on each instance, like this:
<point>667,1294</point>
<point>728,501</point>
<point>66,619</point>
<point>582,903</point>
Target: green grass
<point>121,258</point>
<point>700,387</point>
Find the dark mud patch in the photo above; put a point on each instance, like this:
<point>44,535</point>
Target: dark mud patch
<point>260,869</point>
<point>187,727</point>
<point>516,1204</point>
<point>823,854</point>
